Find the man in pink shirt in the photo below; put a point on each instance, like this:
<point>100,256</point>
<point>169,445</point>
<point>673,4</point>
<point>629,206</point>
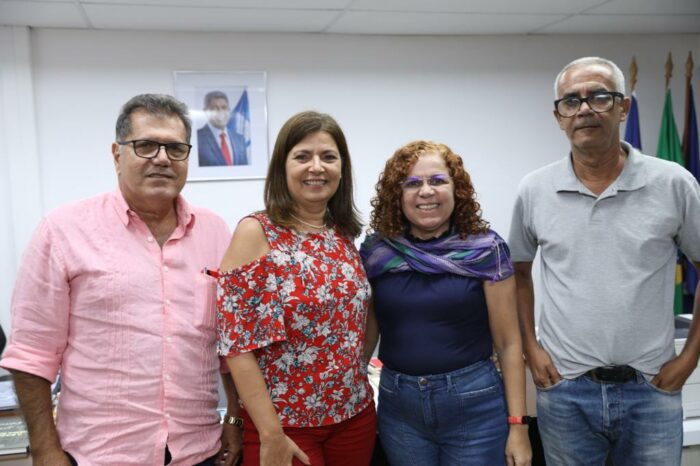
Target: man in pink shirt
<point>112,293</point>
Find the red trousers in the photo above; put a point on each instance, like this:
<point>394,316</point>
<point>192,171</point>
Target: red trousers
<point>349,443</point>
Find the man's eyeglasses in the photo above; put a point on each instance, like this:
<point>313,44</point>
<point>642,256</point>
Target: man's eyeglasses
<point>414,183</point>
<point>176,151</point>
<point>599,102</point>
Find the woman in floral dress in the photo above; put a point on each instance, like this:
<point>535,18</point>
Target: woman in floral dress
<point>292,306</point>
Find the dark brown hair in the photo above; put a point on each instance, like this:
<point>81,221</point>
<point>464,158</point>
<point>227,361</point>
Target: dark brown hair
<point>279,204</point>
<point>388,219</point>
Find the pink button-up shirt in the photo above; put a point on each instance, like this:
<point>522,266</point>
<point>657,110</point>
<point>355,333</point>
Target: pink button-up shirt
<point>131,326</point>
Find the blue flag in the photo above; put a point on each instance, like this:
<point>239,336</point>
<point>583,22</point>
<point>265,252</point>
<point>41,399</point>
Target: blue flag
<point>691,148</point>
<point>691,151</point>
<point>240,121</point>
<point>632,130</point>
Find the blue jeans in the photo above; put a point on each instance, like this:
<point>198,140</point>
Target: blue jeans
<point>581,421</point>
<point>458,418</point>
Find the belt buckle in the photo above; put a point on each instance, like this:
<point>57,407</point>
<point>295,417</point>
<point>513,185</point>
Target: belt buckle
<point>593,375</point>
<point>613,374</point>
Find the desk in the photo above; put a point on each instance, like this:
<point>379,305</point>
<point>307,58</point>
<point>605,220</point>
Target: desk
<point>16,462</point>
<point>14,440</point>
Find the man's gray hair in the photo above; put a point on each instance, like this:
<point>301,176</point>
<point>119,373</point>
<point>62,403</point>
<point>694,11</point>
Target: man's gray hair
<point>617,77</point>
<point>160,105</point>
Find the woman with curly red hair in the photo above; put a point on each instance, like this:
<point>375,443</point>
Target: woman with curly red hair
<point>443,298</point>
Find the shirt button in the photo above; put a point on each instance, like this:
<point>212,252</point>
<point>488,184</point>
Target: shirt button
<point>167,415</point>
<point>167,376</point>
<point>167,301</point>
<point>165,268</point>
<point>149,239</point>
<point>169,339</point>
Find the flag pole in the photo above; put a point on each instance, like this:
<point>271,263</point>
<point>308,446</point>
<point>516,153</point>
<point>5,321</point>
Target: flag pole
<point>669,69</point>
<point>632,131</point>
<point>689,64</point>
<point>688,79</point>
<point>691,154</point>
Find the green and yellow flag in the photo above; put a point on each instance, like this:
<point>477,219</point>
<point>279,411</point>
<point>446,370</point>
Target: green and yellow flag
<point>669,148</point>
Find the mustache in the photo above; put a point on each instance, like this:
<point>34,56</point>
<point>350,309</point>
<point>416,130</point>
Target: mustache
<point>586,124</point>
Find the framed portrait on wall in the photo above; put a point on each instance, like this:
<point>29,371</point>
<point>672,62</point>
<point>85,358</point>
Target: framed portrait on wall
<point>229,123</point>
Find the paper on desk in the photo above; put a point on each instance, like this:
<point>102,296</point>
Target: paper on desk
<point>8,398</point>
<point>13,436</point>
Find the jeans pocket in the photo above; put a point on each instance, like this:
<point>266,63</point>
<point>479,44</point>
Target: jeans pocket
<point>551,387</point>
<point>479,391</point>
<point>661,390</point>
<point>386,385</point>
<point>482,382</point>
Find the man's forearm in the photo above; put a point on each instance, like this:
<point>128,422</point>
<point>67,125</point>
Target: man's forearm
<point>232,406</point>
<point>34,394</point>
<point>692,343</point>
<point>525,296</point>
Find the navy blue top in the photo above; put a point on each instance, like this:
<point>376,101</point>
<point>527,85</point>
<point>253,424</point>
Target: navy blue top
<point>431,323</point>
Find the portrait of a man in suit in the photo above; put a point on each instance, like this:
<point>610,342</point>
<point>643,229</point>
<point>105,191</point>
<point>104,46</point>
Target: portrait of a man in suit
<point>217,144</point>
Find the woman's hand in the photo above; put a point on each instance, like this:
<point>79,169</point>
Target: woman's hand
<point>279,451</point>
<point>518,450</point>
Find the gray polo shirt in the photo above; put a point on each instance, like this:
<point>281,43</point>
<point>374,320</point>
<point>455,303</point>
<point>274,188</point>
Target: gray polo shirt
<point>607,262</point>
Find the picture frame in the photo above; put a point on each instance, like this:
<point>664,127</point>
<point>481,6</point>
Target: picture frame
<point>228,110</point>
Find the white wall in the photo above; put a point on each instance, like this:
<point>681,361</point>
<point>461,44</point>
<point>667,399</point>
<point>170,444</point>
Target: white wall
<point>20,185</point>
<point>488,97</point>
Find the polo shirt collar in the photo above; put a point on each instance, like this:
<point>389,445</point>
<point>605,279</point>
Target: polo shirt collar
<point>185,216</point>
<point>632,177</point>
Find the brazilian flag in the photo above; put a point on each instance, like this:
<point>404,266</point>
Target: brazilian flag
<point>669,148</point>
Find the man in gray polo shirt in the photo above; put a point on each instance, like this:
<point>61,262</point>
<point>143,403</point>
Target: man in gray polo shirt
<point>608,222</point>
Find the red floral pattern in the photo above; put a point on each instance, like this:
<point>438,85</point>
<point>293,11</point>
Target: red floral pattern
<point>302,309</point>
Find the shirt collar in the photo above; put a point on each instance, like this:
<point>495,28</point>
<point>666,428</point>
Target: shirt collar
<point>632,177</point>
<point>185,216</point>
<point>216,131</point>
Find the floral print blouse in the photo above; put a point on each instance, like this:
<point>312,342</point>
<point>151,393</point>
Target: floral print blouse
<point>302,309</point>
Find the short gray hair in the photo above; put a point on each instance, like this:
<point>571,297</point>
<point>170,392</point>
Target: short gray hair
<point>617,77</point>
<point>160,105</point>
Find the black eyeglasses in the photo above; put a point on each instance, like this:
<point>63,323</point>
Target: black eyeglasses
<point>176,151</point>
<point>599,102</point>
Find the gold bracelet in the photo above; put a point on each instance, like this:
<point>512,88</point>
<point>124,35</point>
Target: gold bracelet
<point>233,420</point>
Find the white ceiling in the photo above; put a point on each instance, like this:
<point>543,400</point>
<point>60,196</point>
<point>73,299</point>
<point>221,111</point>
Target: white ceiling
<point>363,16</point>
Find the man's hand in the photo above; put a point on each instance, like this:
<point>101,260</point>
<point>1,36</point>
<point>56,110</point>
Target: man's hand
<point>544,374</point>
<point>231,445</point>
<point>674,373</point>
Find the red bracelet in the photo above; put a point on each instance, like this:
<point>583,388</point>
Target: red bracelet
<point>519,420</point>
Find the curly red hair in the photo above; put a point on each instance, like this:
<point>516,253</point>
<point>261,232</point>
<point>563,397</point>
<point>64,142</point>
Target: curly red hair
<point>387,217</point>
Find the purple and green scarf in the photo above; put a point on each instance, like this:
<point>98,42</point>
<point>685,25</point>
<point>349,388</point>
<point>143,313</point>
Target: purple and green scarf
<point>484,256</point>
